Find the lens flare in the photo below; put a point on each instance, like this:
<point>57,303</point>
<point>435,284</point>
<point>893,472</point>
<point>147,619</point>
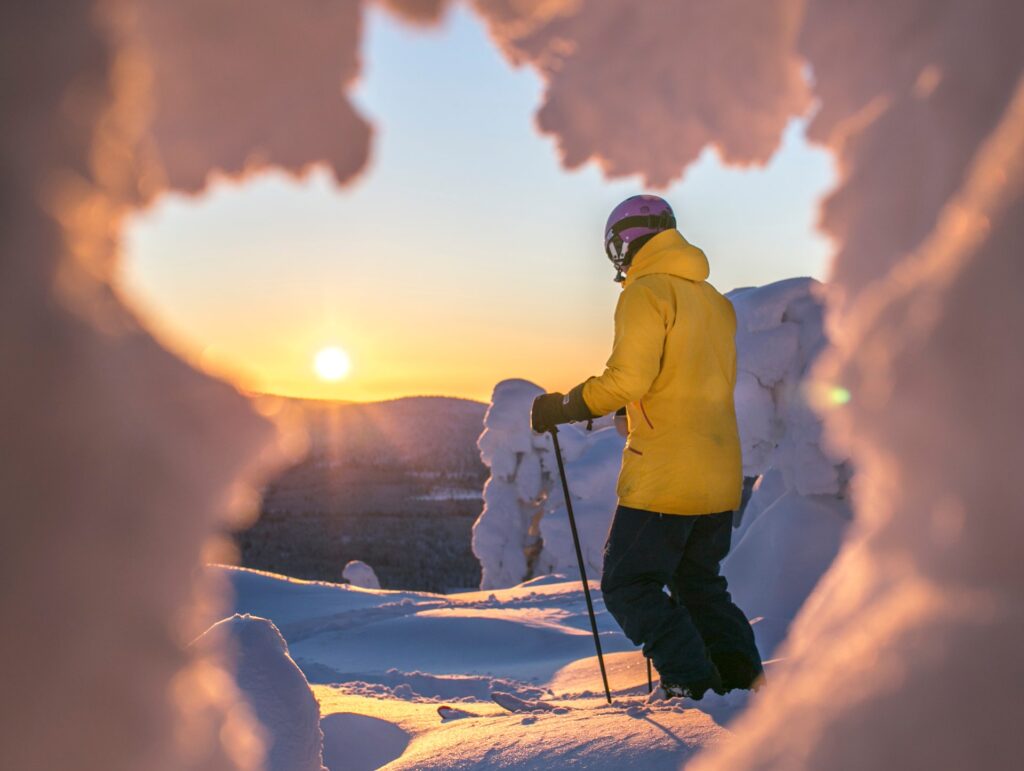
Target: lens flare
<point>839,395</point>
<point>332,364</point>
<point>826,396</point>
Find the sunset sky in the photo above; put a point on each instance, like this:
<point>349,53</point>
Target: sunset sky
<point>463,255</point>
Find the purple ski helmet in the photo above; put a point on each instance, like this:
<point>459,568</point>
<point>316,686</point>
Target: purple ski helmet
<point>637,216</point>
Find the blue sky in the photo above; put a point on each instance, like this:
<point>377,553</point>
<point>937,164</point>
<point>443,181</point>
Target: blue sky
<point>465,254</point>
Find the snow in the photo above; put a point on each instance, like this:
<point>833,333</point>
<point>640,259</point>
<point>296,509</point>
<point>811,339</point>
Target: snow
<point>358,573</point>
<point>907,653</point>
<point>781,556</point>
<point>797,514</point>
<point>121,463</point>
<point>123,459</point>
<point>502,535</point>
<point>355,742</point>
<point>516,634</point>
<point>531,643</point>
<point>599,737</point>
<point>274,688</point>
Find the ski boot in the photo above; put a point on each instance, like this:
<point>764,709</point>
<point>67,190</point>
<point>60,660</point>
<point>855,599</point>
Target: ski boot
<point>694,690</point>
<point>737,671</point>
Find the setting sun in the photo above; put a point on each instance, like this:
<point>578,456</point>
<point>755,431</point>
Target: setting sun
<point>332,364</point>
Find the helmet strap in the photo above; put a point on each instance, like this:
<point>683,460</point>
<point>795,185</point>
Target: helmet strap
<point>620,253</point>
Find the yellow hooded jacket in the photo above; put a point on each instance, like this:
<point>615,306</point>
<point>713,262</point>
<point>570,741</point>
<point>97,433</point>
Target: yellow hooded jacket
<point>673,366</point>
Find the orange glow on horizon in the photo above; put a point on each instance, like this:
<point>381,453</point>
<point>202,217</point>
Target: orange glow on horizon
<point>456,353</point>
<point>457,361</point>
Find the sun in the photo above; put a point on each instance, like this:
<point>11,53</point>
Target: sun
<point>331,364</point>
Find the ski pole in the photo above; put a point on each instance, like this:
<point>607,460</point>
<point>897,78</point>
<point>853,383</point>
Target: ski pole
<point>579,558</point>
<point>650,678</point>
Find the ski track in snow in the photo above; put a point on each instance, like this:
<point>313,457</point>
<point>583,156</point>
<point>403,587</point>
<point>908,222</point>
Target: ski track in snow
<point>530,644</point>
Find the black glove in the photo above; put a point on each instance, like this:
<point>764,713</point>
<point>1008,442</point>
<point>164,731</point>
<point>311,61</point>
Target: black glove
<point>550,410</point>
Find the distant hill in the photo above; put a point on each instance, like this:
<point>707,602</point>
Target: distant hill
<point>426,433</point>
<point>396,484</point>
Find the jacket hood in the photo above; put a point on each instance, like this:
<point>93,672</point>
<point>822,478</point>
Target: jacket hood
<point>668,252</point>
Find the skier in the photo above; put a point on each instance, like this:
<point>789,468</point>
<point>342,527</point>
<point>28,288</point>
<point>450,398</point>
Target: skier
<point>673,368</point>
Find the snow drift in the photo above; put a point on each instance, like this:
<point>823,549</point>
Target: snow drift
<point>797,513</point>
<point>531,642</point>
<point>358,573</point>
<point>275,689</point>
<point>793,525</point>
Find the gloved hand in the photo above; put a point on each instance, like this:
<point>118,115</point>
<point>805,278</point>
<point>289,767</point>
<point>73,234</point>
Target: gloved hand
<point>548,412</point>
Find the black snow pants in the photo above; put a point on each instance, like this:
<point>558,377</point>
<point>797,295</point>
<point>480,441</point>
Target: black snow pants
<point>645,553</point>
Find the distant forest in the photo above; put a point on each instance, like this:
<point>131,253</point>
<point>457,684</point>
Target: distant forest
<point>395,484</point>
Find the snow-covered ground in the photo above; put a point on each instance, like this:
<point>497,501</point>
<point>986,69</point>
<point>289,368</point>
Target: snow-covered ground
<point>383,665</point>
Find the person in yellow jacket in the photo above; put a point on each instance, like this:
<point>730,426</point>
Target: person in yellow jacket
<point>673,369</point>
